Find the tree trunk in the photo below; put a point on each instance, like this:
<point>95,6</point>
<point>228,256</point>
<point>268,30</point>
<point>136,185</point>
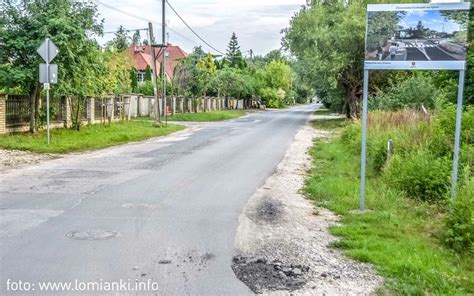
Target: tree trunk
<point>33,103</point>
<point>37,111</point>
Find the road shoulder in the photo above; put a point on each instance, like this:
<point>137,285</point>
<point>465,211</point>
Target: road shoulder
<point>283,240</point>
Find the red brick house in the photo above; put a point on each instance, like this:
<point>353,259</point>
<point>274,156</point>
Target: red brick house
<point>141,54</point>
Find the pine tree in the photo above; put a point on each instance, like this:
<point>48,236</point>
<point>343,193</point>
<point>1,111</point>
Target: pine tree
<point>136,38</point>
<point>234,55</point>
<point>121,40</point>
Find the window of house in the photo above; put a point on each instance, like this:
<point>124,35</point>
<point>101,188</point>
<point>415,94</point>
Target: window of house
<point>140,76</point>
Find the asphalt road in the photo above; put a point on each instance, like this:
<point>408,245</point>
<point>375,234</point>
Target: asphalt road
<point>437,54</point>
<point>432,50</point>
<point>414,54</point>
<point>164,210</point>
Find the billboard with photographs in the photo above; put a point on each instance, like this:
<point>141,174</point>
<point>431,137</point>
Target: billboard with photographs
<point>416,36</point>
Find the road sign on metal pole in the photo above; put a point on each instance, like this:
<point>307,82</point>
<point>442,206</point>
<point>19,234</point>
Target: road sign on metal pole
<point>53,73</point>
<point>48,73</point>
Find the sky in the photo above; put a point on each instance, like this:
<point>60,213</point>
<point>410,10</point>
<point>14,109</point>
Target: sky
<point>431,19</point>
<point>257,23</point>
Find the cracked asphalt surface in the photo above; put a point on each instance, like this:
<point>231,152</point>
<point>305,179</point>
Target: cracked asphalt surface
<point>166,209</point>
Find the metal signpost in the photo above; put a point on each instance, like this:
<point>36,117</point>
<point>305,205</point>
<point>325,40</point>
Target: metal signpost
<point>48,73</point>
<point>398,47</point>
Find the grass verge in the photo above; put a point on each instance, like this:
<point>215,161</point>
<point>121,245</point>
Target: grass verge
<point>323,111</point>
<point>208,116</point>
<point>88,138</point>
<point>398,235</point>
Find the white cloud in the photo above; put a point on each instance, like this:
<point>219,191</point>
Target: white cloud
<point>257,23</point>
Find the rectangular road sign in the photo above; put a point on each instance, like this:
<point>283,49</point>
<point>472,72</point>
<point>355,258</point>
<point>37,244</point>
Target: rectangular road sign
<point>53,73</point>
<point>48,50</point>
<point>416,36</point>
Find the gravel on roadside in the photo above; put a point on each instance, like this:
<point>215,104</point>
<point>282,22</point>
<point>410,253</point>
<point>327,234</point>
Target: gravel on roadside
<point>15,159</point>
<point>283,240</point>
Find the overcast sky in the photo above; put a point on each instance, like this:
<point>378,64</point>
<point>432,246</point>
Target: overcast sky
<point>257,23</point>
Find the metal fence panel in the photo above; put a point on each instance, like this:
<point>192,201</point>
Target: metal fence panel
<point>100,108</point>
<point>17,110</point>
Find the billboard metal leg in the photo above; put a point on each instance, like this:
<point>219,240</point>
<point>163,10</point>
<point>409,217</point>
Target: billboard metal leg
<point>457,135</point>
<point>364,140</point>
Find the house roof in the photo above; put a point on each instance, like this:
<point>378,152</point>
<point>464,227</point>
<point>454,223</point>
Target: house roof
<point>141,54</point>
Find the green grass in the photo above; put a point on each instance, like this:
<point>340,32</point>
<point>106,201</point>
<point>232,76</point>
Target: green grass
<point>88,138</point>
<point>330,124</point>
<point>323,111</point>
<point>400,236</point>
<point>208,116</point>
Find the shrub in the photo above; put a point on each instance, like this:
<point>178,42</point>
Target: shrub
<point>420,175</point>
<point>145,88</point>
<point>459,223</point>
<point>273,98</point>
<point>413,92</point>
<point>446,123</point>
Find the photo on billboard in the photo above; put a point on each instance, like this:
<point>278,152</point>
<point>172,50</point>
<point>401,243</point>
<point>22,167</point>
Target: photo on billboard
<point>417,36</point>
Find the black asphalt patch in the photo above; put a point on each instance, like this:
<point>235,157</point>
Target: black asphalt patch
<point>259,274</point>
<point>269,210</point>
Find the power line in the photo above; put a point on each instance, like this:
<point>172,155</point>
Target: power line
<point>191,29</point>
<point>141,18</point>
<point>131,30</point>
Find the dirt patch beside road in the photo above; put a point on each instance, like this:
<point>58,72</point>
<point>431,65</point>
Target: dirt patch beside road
<point>14,159</point>
<point>283,241</point>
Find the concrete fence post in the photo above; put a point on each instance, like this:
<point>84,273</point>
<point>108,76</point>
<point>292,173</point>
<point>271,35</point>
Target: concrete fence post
<point>139,99</point>
<point>110,108</point>
<point>66,111</point>
<point>181,104</point>
<point>127,107</point>
<point>3,111</point>
<point>90,110</point>
<point>173,105</point>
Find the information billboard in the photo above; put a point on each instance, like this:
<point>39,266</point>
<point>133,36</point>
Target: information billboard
<point>416,36</point>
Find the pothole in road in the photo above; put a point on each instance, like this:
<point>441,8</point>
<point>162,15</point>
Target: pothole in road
<point>92,234</point>
<point>259,274</point>
<point>269,210</point>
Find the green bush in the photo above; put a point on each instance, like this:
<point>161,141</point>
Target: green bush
<point>145,88</point>
<point>413,92</point>
<point>446,124</point>
<point>273,98</point>
<point>420,175</point>
<point>459,223</point>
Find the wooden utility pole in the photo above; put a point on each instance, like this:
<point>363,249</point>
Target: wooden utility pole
<point>154,74</point>
<point>163,62</point>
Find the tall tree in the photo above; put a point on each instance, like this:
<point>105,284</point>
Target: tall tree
<point>328,41</point>
<point>233,55</point>
<point>121,40</point>
<point>69,24</point>
<point>205,70</point>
